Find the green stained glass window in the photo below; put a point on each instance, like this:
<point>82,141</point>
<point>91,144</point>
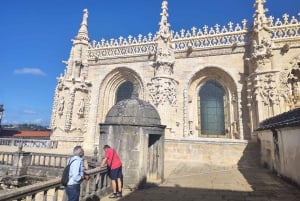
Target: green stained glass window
<point>212,109</point>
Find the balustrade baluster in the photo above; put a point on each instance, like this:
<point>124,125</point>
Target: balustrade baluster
<point>6,158</point>
<point>33,197</point>
<point>12,159</point>
<point>87,188</point>
<point>10,156</point>
<point>59,162</point>
<point>49,161</point>
<point>55,159</point>
<point>52,188</point>
<point>55,195</point>
<point>46,159</point>
<point>45,195</point>
<point>43,162</point>
<point>64,196</point>
<point>93,180</point>
<point>33,160</point>
<point>39,162</point>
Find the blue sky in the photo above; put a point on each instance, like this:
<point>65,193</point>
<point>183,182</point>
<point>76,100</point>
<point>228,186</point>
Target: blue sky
<point>35,36</point>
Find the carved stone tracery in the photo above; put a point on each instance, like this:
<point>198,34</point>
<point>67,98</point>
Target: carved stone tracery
<point>273,87</point>
<point>264,89</point>
<point>163,90</point>
<point>262,51</point>
<point>294,79</point>
<point>261,42</point>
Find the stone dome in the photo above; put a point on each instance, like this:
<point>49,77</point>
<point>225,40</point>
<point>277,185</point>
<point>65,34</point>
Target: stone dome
<point>133,112</point>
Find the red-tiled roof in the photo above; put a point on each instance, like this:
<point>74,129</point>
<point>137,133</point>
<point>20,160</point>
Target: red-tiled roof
<point>16,133</point>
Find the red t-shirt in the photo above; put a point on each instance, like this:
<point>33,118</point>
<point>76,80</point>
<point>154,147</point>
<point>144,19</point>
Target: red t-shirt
<point>111,154</point>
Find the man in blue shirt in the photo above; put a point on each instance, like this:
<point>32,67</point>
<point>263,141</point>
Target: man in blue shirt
<point>76,174</point>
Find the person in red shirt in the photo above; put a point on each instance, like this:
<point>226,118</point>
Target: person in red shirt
<point>112,160</point>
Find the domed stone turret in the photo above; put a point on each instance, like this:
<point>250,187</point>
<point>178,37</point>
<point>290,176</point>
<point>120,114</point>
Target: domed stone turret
<point>133,112</point>
<point>133,128</point>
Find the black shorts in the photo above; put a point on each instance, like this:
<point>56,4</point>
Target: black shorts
<point>116,173</point>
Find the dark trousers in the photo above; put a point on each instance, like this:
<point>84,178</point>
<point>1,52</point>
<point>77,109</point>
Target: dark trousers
<point>73,192</point>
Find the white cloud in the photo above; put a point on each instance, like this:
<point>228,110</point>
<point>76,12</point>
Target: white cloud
<point>38,121</point>
<point>32,71</point>
<point>28,112</point>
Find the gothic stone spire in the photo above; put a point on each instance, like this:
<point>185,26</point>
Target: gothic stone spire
<point>162,87</point>
<point>260,19</point>
<point>261,39</point>
<point>164,31</point>
<point>165,59</point>
<point>83,31</point>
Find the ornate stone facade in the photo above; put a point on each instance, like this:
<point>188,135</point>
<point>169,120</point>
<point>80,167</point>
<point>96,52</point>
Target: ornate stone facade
<point>248,73</point>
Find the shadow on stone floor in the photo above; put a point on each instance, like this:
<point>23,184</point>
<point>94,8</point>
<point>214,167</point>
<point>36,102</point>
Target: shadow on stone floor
<point>247,181</point>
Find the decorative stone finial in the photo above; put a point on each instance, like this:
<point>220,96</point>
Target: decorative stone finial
<point>83,31</point>
<point>164,31</point>
<point>165,58</point>
<point>260,19</point>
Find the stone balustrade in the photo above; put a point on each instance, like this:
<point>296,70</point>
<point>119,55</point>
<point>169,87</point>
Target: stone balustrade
<point>49,160</point>
<point>37,159</point>
<point>49,144</point>
<point>6,158</point>
<point>96,186</point>
<point>195,38</point>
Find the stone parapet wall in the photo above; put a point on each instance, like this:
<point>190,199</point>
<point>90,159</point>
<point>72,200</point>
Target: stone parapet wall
<point>220,152</point>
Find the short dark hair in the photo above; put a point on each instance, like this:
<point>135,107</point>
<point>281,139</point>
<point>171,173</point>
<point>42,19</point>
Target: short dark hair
<point>106,146</point>
<point>77,150</point>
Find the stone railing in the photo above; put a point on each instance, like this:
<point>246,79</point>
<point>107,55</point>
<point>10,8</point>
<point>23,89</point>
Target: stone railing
<point>206,37</point>
<point>193,38</point>
<point>96,186</point>
<point>6,158</point>
<point>21,163</point>
<point>285,27</point>
<point>38,159</point>
<point>28,143</point>
<point>49,160</point>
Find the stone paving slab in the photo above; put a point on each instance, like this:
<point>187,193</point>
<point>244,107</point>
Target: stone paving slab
<point>202,182</point>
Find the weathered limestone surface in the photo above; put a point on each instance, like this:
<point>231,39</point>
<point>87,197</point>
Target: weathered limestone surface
<point>257,68</point>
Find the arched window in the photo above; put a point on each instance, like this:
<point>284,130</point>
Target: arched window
<point>211,109</point>
<point>124,91</point>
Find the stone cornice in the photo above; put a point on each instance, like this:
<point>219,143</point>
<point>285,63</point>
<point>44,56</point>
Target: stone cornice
<point>228,50</point>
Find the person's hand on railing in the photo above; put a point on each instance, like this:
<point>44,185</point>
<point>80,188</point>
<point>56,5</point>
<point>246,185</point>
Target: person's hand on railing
<point>86,177</point>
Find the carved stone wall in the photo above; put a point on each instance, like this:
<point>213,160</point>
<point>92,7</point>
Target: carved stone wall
<point>257,66</point>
